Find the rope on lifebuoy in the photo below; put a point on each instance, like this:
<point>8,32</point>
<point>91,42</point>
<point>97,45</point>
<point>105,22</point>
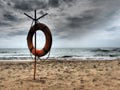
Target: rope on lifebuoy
<point>48,44</point>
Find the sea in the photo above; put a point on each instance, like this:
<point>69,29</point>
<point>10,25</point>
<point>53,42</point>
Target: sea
<point>62,53</point>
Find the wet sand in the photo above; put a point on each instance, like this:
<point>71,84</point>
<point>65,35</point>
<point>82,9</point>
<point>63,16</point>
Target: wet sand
<point>61,75</point>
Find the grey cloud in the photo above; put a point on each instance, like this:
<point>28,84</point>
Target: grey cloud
<point>26,5</point>
<point>16,33</point>
<point>69,1</point>
<point>54,3</point>
<point>112,29</point>
<point>57,3</point>
<point>3,24</point>
<point>9,16</point>
<point>76,22</point>
<point>80,24</point>
<point>9,4</point>
<point>88,15</point>
<point>89,18</point>
<point>97,17</point>
<point>23,6</point>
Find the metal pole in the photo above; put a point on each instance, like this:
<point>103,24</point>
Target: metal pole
<point>35,49</point>
<point>41,16</point>
<point>29,16</point>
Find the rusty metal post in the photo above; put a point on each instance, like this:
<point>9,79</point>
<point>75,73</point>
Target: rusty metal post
<point>35,49</point>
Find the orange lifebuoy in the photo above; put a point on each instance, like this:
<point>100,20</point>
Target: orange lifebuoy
<point>48,44</point>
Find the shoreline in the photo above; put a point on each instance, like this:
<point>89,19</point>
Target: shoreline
<point>58,59</point>
<point>61,75</point>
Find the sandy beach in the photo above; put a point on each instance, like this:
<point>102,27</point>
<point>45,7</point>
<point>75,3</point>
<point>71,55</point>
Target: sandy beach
<point>61,75</point>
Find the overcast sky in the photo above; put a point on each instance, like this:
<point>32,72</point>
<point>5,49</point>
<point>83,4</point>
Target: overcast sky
<point>73,23</point>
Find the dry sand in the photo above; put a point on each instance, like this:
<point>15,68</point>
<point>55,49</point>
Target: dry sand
<point>60,75</point>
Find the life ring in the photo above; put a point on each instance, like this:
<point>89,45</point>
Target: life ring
<point>48,36</point>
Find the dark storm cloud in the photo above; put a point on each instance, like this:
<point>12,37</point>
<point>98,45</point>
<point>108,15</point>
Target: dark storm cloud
<point>68,1</point>
<point>23,6</point>
<point>79,25</point>
<point>26,5</point>
<point>54,3</point>
<point>76,22</point>
<point>90,18</point>
<point>9,4</point>
<point>17,33</point>
<point>3,24</point>
<point>96,17</point>
<point>9,16</point>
